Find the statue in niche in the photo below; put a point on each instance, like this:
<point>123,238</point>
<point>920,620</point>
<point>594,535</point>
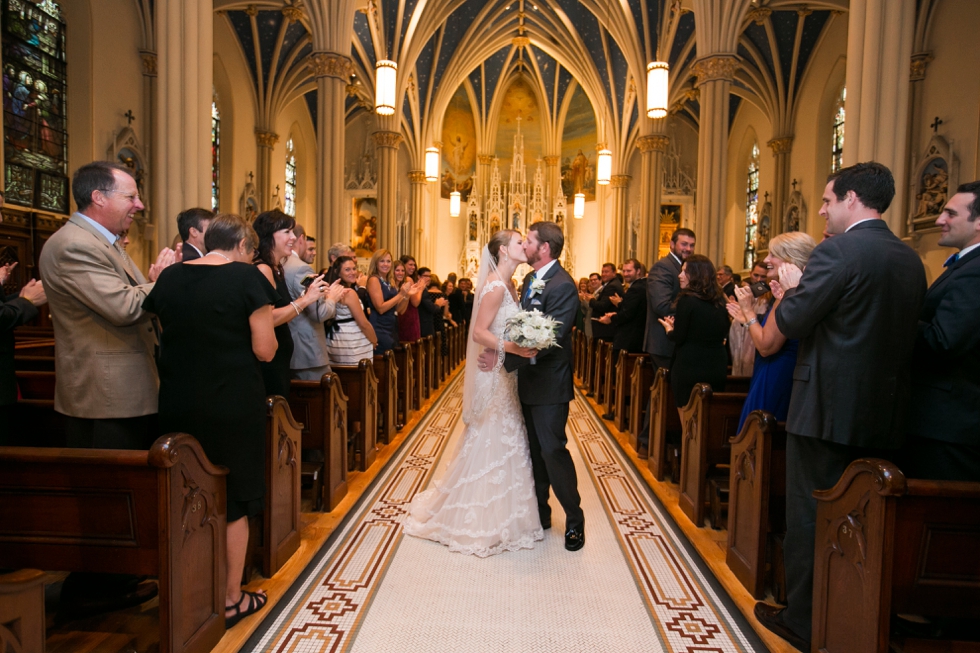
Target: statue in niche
<point>580,168</point>
<point>792,219</point>
<point>933,189</point>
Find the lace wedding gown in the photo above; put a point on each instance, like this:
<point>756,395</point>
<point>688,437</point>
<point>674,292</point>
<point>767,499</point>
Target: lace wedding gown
<point>485,503</point>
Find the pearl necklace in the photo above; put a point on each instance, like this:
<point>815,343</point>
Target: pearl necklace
<point>219,254</point>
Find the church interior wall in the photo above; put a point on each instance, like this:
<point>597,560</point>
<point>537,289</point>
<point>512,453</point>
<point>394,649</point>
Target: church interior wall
<point>750,126</point>
<point>295,121</point>
<point>79,50</point>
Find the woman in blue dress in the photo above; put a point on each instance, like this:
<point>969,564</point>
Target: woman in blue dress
<point>386,300</point>
<point>775,358</point>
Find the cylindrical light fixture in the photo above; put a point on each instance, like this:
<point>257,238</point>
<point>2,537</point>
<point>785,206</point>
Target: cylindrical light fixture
<point>603,168</point>
<point>578,209</point>
<point>432,164</point>
<point>658,74</point>
<point>454,204</point>
<point>384,87</point>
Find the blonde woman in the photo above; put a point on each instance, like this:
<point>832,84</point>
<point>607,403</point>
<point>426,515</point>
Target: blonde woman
<point>386,300</point>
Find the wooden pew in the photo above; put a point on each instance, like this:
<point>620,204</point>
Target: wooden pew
<point>34,346</point>
<point>420,358</point>
<point>622,401</point>
<point>280,520</point>
<point>664,422</point>
<point>886,545</point>
<point>159,512</point>
<point>322,408</point>
<point>757,498</point>
<point>386,370</point>
<point>406,383</point>
<point>22,611</point>
<point>602,349</point>
<point>36,422</point>
<point>640,382</point>
<point>31,363</point>
<point>576,355</point>
<point>609,381</point>
<point>588,364</point>
<point>362,411</point>
<point>709,421</point>
<point>430,383</point>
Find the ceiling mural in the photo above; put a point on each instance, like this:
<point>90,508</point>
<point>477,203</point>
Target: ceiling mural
<point>458,146</point>
<point>578,148</point>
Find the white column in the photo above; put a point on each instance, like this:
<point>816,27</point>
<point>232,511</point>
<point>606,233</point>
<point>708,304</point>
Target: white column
<point>182,153</point>
<point>652,150</point>
<point>620,185</point>
<point>418,188</point>
<point>331,71</point>
<point>879,42</point>
<point>781,148</point>
<point>387,143</point>
<point>266,141</point>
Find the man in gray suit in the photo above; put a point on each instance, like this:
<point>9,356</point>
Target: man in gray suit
<point>663,285</point>
<point>310,360</point>
<point>855,313</point>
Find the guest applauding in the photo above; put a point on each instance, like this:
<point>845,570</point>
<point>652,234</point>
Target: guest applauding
<point>276,240</point>
<point>603,303</point>
<point>350,336</point>
<point>217,324</point>
<point>775,358</point>
<point>387,299</point>
<point>15,310</point>
<point>698,328</point>
<point>408,320</point>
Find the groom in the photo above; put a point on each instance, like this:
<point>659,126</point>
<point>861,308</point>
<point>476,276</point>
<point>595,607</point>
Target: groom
<point>545,388</point>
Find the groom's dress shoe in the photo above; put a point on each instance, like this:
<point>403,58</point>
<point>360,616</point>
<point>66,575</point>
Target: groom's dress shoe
<point>574,538</point>
<point>768,616</point>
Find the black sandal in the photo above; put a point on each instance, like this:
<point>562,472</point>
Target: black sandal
<point>256,602</point>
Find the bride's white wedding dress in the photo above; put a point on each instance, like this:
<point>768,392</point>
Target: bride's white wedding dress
<point>485,503</point>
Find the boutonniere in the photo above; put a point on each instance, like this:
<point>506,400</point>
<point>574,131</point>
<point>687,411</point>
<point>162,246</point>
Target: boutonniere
<point>537,287</point>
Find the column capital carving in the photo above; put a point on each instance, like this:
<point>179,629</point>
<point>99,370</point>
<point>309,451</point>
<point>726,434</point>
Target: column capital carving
<point>920,60</point>
<point>781,145</point>
<point>330,64</point>
<point>620,181</point>
<point>485,159</point>
<point>716,67</point>
<point>252,10</point>
<point>654,143</point>
<point>387,139</point>
<point>417,176</point>
<point>552,160</point>
<point>292,13</point>
<point>266,139</point>
<point>758,14</point>
<point>149,60</point>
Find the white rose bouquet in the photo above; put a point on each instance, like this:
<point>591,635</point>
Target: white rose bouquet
<point>532,329</point>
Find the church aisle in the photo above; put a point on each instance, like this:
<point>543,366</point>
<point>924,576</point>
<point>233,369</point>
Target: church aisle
<point>634,587</point>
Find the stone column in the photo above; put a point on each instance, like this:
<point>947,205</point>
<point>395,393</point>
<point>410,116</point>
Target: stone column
<point>331,71</point>
<point>652,150</point>
<point>150,236</point>
<point>781,148</point>
<point>714,81</point>
<point>552,179</point>
<point>182,153</point>
<point>387,143</point>
<point>415,232</point>
<point>484,164</point>
<point>620,185</point>
<point>879,34</point>
<point>266,142</point>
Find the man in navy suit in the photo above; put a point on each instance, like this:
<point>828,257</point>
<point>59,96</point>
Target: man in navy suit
<point>944,429</point>
<point>192,224</point>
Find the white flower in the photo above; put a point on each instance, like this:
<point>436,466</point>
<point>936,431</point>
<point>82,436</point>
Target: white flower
<point>537,286</point>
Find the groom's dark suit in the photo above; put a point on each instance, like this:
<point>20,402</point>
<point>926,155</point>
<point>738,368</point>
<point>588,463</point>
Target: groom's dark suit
<point>545,390</point>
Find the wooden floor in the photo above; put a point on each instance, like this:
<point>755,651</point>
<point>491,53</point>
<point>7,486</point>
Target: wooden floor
<point>135,630</point>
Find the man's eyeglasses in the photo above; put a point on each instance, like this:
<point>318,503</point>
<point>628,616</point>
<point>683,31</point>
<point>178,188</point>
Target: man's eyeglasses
<point>132,198</point>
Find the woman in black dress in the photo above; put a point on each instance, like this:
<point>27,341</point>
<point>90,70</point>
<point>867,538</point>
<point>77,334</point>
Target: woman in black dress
<point>216,319</point>
<point>276,240</point>
<point>699,327</point>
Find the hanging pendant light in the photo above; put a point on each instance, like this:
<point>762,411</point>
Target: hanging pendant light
<point>658,73</point>
<point>384,87</point>
<point>432,164</point>
<point>578,209</point>
<point>454,201</point>
<point>603,167</point>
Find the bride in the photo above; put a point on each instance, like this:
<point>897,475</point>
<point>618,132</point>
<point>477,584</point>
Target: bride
<point>485,503</point>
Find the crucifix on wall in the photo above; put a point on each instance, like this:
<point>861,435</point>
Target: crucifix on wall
<point>935,125</point>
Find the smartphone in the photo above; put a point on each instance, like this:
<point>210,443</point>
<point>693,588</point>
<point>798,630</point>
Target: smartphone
<point>307,280</point>
<point>759,288</point>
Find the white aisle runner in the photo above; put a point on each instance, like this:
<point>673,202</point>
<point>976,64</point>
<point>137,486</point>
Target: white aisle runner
<point>633,587</point>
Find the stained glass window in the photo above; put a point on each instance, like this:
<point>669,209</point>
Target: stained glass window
<point>751,207</point>
<point>289,206</point>
<point>837,153</point>
<point>34,75</point>
<point>215,152</point>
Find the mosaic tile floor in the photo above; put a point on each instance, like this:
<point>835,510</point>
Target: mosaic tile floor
<point>634,587</point>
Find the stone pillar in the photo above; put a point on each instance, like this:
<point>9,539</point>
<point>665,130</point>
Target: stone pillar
<point>266,142</point>
<point>781,148</point>
<point>150,235</point>
<point>182,153</point>
<point>879,34</point>
<point>415,232</point>
<point>652,150</point>
<point>484,164</point>
<point>387,143</point>
<point>331,71</point>
<point>620,185</point>
<point>714,81</point>
<point>552,180</point>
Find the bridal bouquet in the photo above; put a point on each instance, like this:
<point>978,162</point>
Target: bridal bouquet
<point>532,329</point>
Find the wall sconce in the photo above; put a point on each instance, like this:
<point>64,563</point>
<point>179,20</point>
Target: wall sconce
<point>658,74</point>
<point>432,164</point>
<point>454,204</point>
<point>384,87</point>
<point>603,168</point>
<point>578,209</point>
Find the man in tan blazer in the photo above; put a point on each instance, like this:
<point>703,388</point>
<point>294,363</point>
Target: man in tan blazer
<point>106,382</point>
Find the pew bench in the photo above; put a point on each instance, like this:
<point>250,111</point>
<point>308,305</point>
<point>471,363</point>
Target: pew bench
<point>281,523</point>
<point>361,386</point>
<point>36,421</point>
<point>159,512</point>
<point>406,383</point>
<point>386,370</point>
<point>665,424</point>
<point>602,350</point>
<point>622,399</point>
<point>321,406</point>
<point>640,382</point>
<point>22,611</point>
<point>33,363</point>
<point>420,357</point>
<point>886,545</point>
